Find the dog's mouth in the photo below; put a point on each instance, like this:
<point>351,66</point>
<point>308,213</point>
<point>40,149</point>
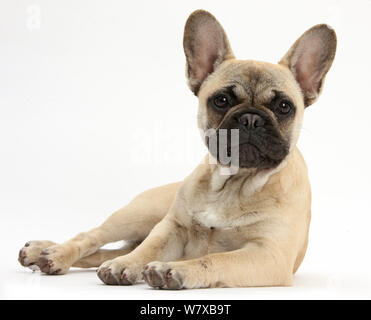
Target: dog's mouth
<point>263,149</point>
<point>253,156</point>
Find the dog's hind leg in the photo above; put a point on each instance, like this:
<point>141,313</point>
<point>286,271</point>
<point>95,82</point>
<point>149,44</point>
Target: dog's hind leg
<point>102,255</point>
<point>131,223</point>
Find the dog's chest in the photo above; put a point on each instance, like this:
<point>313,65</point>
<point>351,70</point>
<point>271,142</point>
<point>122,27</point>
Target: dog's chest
<point>224,211</point>
<point>226,217</point>
<point>232,206</point>
<point>204,239</point>
<point>214,216</point>
<point>219,226</point>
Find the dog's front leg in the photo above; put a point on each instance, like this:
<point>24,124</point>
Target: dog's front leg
<point>131,223</point>
<point>257,264</point>
<point>165,242</point>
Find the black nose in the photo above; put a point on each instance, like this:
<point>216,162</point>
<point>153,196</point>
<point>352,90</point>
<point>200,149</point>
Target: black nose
<point>251,120</point>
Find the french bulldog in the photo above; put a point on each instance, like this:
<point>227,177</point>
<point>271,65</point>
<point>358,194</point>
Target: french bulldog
<point>219,227</point>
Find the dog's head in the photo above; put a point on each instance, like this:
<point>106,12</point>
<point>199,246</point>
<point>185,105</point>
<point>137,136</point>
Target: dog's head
<point>264,101</point>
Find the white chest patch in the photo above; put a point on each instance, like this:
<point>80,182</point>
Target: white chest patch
<point>210,219</point>
<point>222,219</point>
<point>223,211</point>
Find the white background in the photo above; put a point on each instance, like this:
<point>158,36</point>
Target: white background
<point>94,109</point>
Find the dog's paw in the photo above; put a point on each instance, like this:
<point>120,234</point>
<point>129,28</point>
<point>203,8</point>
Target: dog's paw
<point>29,255</point>
<point>55,260</point>
<point>163,275</point>
<point>119,271</point>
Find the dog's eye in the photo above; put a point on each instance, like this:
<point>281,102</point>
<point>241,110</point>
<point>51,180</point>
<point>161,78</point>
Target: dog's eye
<point>221,101</point>
<point>284,107</point>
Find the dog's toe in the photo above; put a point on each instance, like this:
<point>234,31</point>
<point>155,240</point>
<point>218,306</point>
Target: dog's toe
<point>47,266</point>
<point>154,277</point>
<point>112,274</point>
<point>162,275</point>
<point>109,277</point>
<point>29,255</point>
<point>174,280</point>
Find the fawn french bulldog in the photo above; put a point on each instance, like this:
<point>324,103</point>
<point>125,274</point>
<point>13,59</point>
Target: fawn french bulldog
<point>219,229</point>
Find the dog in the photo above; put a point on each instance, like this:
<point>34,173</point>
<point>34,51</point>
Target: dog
<point>219,228</point>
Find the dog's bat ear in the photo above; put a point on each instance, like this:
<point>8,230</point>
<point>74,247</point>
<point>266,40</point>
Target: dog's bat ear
<point>310,58</point>
<point>206,46</point>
